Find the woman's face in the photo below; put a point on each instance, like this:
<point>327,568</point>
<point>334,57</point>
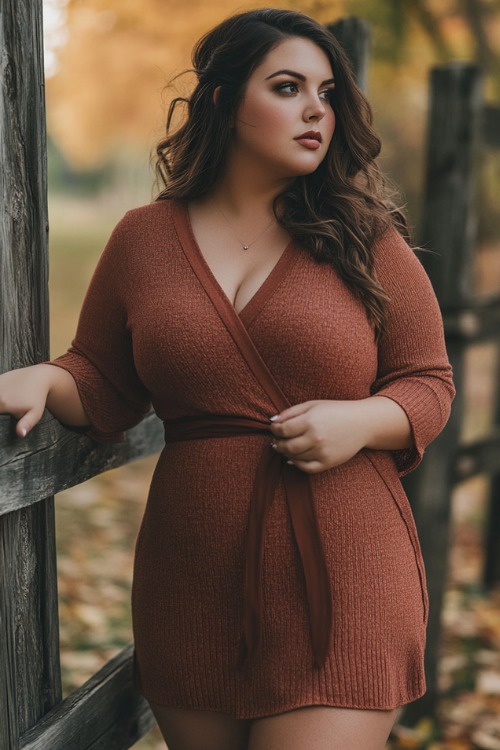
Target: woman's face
<point>287,96</point>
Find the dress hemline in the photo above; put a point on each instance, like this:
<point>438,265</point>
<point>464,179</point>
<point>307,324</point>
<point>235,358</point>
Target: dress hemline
<point>284,708</point>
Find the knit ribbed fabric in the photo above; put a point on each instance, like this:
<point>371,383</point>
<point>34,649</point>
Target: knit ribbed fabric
<point>156,327</point>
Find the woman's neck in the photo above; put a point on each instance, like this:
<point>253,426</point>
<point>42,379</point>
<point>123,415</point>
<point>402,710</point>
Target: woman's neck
<point>243,190</point>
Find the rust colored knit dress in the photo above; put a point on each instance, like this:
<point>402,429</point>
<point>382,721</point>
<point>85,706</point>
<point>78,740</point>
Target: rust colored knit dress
<point>157,328</point>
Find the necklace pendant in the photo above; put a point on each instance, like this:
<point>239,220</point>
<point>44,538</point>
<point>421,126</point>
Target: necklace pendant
<point>246,247</point>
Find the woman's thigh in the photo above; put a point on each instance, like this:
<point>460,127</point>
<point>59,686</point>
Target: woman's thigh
<point>323,728</point>
<point>183,729</point>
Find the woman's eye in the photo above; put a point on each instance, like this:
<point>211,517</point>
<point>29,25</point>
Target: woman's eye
<point>327,94</point>
<point>288,88</point>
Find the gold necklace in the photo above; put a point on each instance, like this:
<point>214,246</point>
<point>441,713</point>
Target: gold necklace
<point>246,245</point>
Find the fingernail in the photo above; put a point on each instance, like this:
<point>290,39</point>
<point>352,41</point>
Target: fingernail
<point>272,419</point>
<point>24,431</point>
<point>274,445</point>
<point>290,463</point>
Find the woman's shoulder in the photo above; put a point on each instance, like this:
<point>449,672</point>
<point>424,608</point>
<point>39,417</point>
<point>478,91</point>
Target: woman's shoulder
<point>143,223</point>
<point>152,213</point>
<point>399,269</point>
<point>393,254</point>
<point>390,241</point>
<point>139,233</point>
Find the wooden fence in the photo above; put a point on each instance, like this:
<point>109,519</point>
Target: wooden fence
<point>105,713</point>
<point>460,124</point>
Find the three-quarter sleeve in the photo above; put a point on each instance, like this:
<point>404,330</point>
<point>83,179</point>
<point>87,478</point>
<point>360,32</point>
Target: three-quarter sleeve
<point>100,357</point>
<point>413,366</point>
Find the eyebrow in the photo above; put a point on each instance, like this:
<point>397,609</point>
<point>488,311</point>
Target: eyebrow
<point>296,75</point>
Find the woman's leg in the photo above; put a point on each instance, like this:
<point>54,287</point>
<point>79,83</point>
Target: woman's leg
<point>183,729</point>
<point>323,728</point>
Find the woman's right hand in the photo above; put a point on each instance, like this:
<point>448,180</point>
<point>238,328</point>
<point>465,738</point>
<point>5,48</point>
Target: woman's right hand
<point>26,392</point>
<point>23,394</point>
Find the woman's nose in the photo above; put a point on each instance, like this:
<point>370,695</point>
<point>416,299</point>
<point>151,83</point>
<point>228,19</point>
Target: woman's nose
<point>315,110</point>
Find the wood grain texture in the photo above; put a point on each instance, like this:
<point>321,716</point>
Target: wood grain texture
<point>448,222</point>
<point>23,188</point>
<point>104,714</point>
<point>53,458</point>
<point>29,654</point>
<point>9,734</point>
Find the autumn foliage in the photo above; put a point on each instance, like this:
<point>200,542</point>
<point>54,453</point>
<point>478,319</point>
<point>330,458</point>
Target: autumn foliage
<point>108,96</point>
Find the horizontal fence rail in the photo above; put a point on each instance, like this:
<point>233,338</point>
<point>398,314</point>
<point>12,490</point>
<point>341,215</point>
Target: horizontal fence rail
<point>51,458</point>
<point>473,323</point>
<point>478,457</point>
<point>104,714</point>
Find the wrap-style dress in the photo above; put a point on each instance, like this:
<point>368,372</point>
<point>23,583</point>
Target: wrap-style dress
<point>258,588</point>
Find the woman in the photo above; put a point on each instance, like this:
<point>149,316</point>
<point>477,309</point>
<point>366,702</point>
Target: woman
<point>269,308</point>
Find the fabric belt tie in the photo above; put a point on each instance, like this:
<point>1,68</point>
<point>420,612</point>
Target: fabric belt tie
<point>271,467</point>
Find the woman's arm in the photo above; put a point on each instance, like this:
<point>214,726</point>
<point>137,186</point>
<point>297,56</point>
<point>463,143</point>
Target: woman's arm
<point>386,423</point>
<point>411,396</point>
<point>24,393</point>
<point>94,384</point>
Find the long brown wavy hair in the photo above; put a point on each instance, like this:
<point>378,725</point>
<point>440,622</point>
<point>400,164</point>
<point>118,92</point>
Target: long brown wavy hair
<point>338,211</point>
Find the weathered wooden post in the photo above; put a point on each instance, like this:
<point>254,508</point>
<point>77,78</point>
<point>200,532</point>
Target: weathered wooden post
<point>448,230</point>
<point>29,645</point>
<point>491,573</point>
<point>449,221</point>
<point>105,712</point>
<point>355,38</point>
<point>491,577</point>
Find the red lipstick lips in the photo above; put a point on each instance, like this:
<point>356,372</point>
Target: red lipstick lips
<point>311,134</point>
<point>312,139</point>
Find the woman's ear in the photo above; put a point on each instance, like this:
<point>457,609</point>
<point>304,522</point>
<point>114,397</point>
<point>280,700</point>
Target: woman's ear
<point>215,99</point>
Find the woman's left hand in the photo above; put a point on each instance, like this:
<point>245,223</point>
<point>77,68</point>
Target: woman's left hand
<point>317,435</point>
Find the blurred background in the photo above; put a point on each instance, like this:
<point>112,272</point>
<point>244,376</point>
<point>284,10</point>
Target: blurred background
<point>109,68</point>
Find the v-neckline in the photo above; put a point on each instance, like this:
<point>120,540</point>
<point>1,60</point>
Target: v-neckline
<point>202,269</point>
